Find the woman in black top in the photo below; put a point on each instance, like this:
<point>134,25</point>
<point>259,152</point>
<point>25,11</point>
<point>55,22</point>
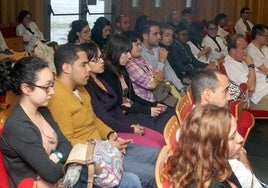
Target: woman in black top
<point>33,146</point>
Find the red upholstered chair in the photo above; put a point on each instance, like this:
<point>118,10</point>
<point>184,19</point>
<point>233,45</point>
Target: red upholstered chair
<point>4,175</point>
<point>245,120</point>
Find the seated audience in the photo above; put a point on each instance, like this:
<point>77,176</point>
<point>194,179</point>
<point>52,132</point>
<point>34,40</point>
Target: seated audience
<point>173,17</point>
<point>240,68</point>
<point>195,38</point>
<point>104,103</point>
<point>122,24</point>
<point>3,46</point>
<point>218,48</point>
<point>101,31</point>
<point>208,139</point>
<point>32,143</point>
<point>72,109</point>
<point>182,59</point>
<point>156,55</point>
<point>28,30</point>
<point>243,26</point>
<point>149,114</point>
<point>80,32</point>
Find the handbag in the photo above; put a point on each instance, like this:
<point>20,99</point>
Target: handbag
<point>163,94</point>
<point>104,164</point>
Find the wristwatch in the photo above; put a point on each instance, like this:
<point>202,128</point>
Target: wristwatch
<point>251,66</point>
<point>59,155</point>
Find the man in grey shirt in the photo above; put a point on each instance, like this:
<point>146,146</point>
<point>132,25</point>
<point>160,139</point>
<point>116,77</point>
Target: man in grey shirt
<point>156,55</point>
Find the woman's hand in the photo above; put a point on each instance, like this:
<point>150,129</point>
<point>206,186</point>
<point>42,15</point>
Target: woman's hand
<point>119,143</point>
<point>138,129</point>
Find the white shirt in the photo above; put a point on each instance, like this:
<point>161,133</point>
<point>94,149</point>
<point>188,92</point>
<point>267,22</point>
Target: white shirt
<point>196,51</point>
<point>240,27</point>
<point>215,53</point>
<point>245,177</point>
<point>238,72</point>
<point>28,36</point>
<point>3,45</point>
<point>222,34</point>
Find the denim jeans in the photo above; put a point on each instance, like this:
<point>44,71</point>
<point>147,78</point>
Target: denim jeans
<point>141,160</point>
<point>129,180</point>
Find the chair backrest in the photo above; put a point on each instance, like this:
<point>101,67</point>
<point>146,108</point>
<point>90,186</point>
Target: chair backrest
<point>245,123</point>
<point>8,105</point>
<point>245,120</point>
<point>183,107</point>
<point>170,131</point>
<point>222,68</point>
<point>162,158</point>
<point>8,31</point>
<point>15,43</point>
<point>190,94</point>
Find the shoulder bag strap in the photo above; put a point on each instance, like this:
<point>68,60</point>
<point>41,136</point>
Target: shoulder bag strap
<point>90,164</point>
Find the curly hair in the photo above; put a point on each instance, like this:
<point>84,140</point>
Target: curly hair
<point>24,71</point>
<point>202,151</point>
<point>76,26</point>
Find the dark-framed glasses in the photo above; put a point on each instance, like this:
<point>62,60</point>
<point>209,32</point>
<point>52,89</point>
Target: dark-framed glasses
<point>97,59</point>
<point>47,88</point>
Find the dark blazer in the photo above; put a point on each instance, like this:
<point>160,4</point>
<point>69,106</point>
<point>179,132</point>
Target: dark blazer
<point>182,60</point>
<point>106,108</point>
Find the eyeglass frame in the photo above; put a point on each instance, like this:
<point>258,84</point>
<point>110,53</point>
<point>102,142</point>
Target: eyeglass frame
<point>96,59</point>
<point>47,89</point>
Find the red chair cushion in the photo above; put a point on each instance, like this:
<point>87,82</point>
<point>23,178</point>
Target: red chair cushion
<point>4,183</point>
<point>8,32</point>
<point>259,113</point>
<point>244,122</point>
<point>27,182</point>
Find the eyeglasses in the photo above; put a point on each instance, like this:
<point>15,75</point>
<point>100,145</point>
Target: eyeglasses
<point>97,59</point>
<point>86,32</point>
<point>47,89</point>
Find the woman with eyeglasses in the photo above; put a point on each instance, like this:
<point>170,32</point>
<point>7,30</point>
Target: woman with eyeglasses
<point>104,102</point>
<point>218,47</point>
<point>32,144</point>
<point>80,32</point>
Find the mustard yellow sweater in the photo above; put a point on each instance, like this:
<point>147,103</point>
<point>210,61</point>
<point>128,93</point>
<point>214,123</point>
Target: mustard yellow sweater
<point>76,117</point>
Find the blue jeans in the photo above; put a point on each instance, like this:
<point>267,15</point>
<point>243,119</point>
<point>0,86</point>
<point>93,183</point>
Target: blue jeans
<point>141,160</point>
<point>129,180</point>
